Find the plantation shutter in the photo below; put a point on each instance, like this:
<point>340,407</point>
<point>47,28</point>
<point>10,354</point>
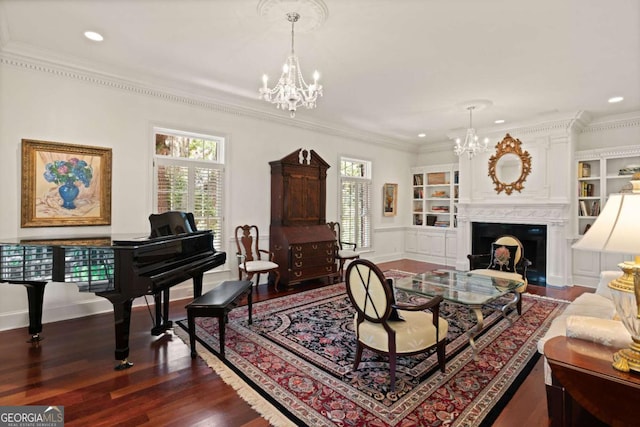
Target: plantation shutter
<point>207,203</point>
<point>192,189</point>
<point>355,218</point>
<point>172,187</point>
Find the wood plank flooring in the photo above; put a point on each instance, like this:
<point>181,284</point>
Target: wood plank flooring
<point>73,367</point>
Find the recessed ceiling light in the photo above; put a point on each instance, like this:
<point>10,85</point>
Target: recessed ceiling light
<point>422,135</point>
<point>499,121</point>
<point>92,35</point>
<point>615,99</point>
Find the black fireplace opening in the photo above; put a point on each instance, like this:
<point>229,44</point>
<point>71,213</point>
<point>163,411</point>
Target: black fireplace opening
<point>532,236</point>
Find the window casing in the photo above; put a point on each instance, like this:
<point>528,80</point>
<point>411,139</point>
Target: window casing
<point>355,201</point>
<point>188,171</point>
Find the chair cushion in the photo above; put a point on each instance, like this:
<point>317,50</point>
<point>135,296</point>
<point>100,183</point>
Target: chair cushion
<point>254,266</point>
<point>416,333</point>
<point>347,254</point>
<point>503,257</point>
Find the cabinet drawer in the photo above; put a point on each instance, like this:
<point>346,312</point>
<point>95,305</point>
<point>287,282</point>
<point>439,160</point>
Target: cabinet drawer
<point>311,272</point>
<point>306,262</point>
<point>316,249</point>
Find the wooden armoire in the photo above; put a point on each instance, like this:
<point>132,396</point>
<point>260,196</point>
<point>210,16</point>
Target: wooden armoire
<point>303,245</point>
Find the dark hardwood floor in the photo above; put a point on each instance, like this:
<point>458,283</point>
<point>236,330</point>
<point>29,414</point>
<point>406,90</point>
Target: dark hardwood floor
<point>73,367</point>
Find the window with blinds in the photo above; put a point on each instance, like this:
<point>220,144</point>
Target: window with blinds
<point>355,201</point>
<point>189,177</point>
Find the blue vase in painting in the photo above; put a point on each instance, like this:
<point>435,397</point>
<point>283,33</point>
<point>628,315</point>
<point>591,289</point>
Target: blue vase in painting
<point>68,191</point>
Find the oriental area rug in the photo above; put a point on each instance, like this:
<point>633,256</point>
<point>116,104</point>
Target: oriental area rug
<point>294,363</point>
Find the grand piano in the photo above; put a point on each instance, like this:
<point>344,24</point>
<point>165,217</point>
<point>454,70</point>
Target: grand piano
<point>118,268</point>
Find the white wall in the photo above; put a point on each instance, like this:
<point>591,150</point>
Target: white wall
<point>44,103</point>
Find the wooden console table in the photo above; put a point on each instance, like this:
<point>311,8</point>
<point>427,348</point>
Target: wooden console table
<point>583,373</point>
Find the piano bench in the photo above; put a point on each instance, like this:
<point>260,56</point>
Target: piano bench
<point>218,302</point>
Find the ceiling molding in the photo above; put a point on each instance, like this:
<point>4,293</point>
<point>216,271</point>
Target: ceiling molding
<point>204,102</point>
<point>616,122</point>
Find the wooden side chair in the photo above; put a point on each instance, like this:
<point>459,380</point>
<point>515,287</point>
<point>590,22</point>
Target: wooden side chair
<point>251,259</point>
<point>413,331</point>
<point>345,251</point>
<point>504,261</point>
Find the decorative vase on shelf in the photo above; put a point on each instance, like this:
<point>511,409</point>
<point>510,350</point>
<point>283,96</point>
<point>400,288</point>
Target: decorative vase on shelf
<point>68,191</point>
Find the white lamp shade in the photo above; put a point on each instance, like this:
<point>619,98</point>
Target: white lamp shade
<point>617,228</point>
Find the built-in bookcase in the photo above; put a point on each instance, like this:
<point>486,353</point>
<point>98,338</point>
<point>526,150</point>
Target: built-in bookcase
<point>601,173</point>
<point>435,196</point>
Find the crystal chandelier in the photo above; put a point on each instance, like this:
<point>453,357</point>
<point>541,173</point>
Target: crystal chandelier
<point>471,145</point>
<point>292,91</point>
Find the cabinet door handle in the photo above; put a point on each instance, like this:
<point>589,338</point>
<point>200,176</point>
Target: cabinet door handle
<point>329,260</point>
<point>297,273</point>
<point>329,269</point>
<point>277,247</point>
<point>299,256</point>
<point>298,264</point>
<point>314,246</point>
<point>330,252</point>
<point>298,248</point>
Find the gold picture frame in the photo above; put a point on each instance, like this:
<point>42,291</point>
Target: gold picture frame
<point>83,171</point>
<point>390,200</point>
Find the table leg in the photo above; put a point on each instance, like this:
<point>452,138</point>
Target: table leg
<point>473,332</point>
<point>511,305</point>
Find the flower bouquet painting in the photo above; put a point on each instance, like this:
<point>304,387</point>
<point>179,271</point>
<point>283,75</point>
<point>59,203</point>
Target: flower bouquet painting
<point>66,173</point>
<point>65,184</point>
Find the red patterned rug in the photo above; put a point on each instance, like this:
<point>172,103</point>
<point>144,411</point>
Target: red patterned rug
<point>293,364</point>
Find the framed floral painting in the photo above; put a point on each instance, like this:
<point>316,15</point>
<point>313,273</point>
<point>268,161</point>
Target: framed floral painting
<point>65,184</point>
<point>390,199</point>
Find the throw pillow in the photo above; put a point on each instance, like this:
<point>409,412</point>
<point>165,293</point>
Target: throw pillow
<point>503,257</point>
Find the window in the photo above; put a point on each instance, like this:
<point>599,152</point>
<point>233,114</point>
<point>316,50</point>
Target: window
<point>189,175</point>
<point>355,200</point>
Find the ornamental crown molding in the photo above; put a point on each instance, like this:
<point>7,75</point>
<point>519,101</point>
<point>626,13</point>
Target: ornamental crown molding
<point>622,121</point>
<point>199,101</point>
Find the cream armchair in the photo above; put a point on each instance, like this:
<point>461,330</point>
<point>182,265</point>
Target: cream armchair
<point>505,261</point>
<point>385,327</point>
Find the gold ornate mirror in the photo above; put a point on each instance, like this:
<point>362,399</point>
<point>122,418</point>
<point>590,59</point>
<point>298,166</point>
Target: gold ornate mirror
<point>510,166</point>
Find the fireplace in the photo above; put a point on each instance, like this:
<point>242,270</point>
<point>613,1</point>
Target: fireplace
<point>532,236</point>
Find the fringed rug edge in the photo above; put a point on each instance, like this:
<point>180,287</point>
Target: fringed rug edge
<point>245,391</point>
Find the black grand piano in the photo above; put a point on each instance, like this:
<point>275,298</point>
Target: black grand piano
<point>118,268</point>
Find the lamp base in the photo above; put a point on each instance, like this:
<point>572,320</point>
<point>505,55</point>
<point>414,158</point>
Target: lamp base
<point>627,359</point>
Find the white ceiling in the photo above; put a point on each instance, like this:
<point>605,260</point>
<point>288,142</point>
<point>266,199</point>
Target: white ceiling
<point>393,68</point>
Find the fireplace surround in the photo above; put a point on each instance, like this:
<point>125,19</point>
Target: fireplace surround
<point>552,216</point>
<point>532,236</point>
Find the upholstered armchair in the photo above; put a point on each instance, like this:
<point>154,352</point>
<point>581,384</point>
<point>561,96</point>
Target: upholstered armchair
<point>386,327</point>
<point>504,261</point>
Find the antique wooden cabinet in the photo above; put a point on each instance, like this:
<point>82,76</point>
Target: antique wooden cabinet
<point>303,244</point>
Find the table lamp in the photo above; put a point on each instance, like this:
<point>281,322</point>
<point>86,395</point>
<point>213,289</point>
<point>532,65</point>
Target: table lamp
<point>617,230</point>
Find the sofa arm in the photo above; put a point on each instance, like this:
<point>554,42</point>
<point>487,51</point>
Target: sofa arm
<point>608,332</point>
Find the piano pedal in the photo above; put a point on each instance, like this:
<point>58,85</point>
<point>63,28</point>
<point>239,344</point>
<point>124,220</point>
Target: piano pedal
<point>161,329</point>
<point>36,338</point>
<point>124,364</point>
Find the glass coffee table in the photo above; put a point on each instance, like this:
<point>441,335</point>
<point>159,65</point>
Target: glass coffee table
<point>460,287</point>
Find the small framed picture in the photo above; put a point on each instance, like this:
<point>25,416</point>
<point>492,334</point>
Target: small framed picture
<point>390,199</point>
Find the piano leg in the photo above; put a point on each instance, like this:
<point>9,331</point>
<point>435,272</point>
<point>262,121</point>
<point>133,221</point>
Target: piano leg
<point>122,315</point>
<point>197,285</point>
<point>162,322</point>
<point>35,295</point>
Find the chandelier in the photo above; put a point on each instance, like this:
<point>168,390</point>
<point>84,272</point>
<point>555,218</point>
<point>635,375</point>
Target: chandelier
<point>471,145</point>
<point>292,91</point>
